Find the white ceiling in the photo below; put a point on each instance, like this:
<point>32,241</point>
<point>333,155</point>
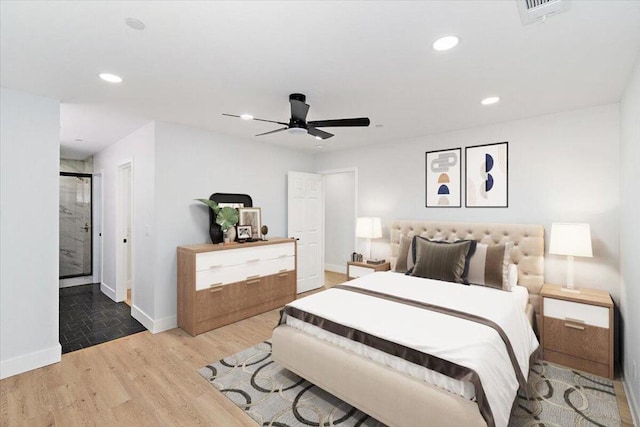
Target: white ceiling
<point>196,60</point>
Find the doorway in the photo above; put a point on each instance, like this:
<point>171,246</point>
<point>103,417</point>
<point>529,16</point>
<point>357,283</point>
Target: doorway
<point>76,242</point>
<point>340,212</point>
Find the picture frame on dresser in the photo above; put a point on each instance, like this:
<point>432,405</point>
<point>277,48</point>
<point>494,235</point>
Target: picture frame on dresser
<point>251,216</point>
<point>443,178</point>
<point>243,232</point>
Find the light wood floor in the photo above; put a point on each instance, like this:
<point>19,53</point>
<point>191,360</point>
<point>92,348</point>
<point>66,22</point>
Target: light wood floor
<point>141,380</point>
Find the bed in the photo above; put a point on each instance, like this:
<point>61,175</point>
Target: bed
<point>365,380</point>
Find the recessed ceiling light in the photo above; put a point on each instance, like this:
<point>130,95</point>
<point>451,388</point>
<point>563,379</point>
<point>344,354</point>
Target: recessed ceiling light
<point>246,116</point>
<point>446,43</point>
<point>111,78</point>
<point>379,126</point>
<point>319,146</point>
<point>79,140</point>
<point>136,24</point>
<point>490,100</point>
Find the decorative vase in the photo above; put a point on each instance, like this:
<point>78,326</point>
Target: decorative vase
<point>230,235</point>
<point>215,232</point>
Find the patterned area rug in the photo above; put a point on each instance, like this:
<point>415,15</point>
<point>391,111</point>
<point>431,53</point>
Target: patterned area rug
<point>273,396</point>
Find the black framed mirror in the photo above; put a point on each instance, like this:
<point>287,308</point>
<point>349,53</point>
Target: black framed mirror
<point>233,200</point>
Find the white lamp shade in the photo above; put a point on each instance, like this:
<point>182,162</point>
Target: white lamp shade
<point>369,227</point>
<point>572,239</point>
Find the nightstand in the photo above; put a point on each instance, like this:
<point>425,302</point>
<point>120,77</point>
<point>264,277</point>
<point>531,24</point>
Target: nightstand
<point>359,269</point>
<point>577,329</point>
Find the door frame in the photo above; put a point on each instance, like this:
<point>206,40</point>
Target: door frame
<point>353,169</point>
<point>97,199</point>
<point>121,269</point>
<point>90,176</point>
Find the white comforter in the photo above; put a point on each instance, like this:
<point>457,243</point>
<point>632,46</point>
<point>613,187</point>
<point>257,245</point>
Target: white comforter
<point>460,341</point>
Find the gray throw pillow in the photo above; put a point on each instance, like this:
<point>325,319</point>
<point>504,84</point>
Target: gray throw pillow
<point>403,252</point>
<point>441,261</point>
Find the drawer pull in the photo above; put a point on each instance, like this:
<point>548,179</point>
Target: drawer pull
<point>569,319</point>
<point>214,290</point>
<point>252,260</point>
<point>215,284</point>
<point>570,325</point>
<point>253,282</point>
<point>284,270</point>
<point>283,275</point>
<point>215,266</point>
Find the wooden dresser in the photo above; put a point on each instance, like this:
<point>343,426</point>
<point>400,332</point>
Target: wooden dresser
<point>577,329</point>
<point>221,284</point>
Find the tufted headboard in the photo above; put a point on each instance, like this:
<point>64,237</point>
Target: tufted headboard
<point>527,253</point>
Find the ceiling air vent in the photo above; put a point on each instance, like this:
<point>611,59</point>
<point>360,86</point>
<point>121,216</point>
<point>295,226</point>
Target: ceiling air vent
<point>539,10</point>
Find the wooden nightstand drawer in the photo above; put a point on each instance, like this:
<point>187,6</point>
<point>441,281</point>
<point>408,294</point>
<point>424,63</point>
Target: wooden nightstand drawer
<point>576,339</point>
<point>577,363</point>
<point>588,314</point>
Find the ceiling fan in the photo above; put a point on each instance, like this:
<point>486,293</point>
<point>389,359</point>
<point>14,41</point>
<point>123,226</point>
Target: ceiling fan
<point>298,122</point>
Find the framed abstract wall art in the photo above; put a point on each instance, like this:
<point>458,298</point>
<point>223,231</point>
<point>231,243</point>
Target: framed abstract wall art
<point>487,175</point>
<point>443,178</point>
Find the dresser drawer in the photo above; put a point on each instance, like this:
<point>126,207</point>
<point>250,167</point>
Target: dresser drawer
<point>222,275</point>
<point>576,339</point>
<point>589,314</point>
<point>239,256</point>
<point>357,271</point>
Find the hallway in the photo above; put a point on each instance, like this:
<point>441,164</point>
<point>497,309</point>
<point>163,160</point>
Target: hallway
<point>88,317</point>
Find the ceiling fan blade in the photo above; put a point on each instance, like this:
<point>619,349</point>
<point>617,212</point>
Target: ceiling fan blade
<point>299,109</point>
<point>273,131</point>
<point>319,133</point>
<point>361,121</point>
<point>259,120</point>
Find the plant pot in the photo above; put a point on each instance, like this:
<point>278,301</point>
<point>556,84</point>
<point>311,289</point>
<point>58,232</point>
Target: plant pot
<point>230,235</point>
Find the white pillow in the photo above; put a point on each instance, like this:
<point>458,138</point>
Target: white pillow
<point>513,275</point>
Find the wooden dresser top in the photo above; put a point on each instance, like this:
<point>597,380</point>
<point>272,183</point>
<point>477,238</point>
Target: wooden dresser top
<point>209,247</point>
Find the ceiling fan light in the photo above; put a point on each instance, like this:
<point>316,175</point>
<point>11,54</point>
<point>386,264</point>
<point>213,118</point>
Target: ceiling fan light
<point>446,43</point>
<point>296,131</point>
<point>246,116</point>
<point>317,137</point>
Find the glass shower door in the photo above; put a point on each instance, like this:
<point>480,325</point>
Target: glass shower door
<point>75,225</point>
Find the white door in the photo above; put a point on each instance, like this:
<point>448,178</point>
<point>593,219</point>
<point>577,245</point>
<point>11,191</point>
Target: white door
<point>305,209</point>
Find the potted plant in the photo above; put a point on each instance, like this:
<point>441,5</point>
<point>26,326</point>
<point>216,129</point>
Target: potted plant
<point>226,218</point>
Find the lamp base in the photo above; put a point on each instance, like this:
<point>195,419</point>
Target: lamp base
<point>570,290</point>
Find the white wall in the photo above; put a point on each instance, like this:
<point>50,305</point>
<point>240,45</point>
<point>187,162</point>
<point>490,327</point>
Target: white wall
<point>339,220</point>
<point>193,163</point>
<point>29,168</point>
<point>562,167</point>
<point>629,238</point>
<point>138,148</point>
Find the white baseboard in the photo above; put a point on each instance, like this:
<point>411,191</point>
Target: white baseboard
<point>154,326</point>
<point>108,291</point>
<point>28,362</point>
<point>75,281</point>
<point>633,402</point>
<point>336,268</point>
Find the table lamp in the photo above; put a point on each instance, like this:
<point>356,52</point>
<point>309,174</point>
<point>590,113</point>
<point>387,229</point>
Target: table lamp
<point>570,239</point>
<point>369,228</point>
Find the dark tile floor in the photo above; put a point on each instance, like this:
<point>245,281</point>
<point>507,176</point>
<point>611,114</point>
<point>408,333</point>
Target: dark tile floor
<point>88,317</point>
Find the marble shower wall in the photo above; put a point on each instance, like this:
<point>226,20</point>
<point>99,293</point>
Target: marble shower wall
<point>75,218</point>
